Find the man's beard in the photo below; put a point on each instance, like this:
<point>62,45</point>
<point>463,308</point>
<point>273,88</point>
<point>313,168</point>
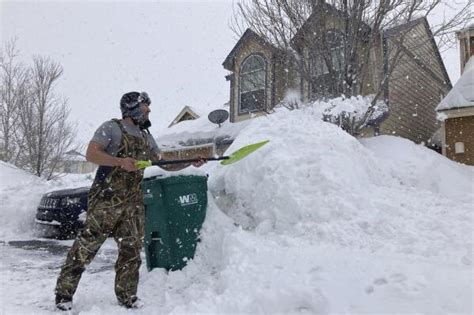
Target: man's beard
<point>140,119</point>
<point>145,125</point>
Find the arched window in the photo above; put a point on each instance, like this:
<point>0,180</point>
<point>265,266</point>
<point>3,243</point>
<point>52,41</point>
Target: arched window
<point>252,84</point>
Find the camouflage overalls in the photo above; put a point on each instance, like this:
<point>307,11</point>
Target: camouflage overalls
<point>115,206</point>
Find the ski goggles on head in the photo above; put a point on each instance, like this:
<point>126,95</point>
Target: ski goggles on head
<point>131,100</point>
<point>144,98</point>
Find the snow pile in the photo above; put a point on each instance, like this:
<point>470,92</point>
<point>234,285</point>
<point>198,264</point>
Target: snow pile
<point>314,222</point>
<point>428,171</point>
<point>316,180</point>
<point>328,224</point>
<point>20,195</point>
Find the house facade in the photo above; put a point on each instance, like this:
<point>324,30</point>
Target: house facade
<point>260,76</point>
<point>456,110</point>
<point>257,82</point>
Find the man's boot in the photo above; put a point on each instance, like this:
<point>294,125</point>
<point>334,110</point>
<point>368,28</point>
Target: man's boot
<point>63,303</point>
<point>132,302</point>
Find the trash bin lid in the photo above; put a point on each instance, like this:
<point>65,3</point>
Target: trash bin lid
<point>182,179</point>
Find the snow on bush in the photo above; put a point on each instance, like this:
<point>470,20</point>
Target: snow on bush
<point>350,113</point>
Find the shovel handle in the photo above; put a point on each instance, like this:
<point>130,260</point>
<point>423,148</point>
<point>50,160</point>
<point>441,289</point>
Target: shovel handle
<point>144,164</point>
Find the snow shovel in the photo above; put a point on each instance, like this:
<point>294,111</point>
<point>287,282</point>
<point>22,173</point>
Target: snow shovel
<point>225,160</point>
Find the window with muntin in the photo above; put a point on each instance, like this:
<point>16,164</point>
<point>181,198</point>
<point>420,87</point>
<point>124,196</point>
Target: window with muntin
<point>252,82</point>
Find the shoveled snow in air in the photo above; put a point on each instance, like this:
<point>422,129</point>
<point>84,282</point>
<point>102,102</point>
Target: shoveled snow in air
<point>314,222</point>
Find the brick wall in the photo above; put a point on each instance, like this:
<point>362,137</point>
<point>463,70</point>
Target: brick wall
<point>460,129</point>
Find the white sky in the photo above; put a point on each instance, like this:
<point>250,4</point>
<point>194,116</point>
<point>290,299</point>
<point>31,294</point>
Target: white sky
<point>172,49</point>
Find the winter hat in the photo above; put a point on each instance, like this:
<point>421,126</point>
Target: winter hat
<point>129,105</point>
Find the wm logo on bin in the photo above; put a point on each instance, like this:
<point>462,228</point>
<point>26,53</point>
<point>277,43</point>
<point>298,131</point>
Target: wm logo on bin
<point>187,200</point>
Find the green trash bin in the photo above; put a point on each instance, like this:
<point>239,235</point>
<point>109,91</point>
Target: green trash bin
<point>175,208</point>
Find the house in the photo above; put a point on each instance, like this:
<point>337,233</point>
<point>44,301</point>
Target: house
<point>260,75</point>
<point>456,110</point>
<point>75,163</point>
<point>196,137</point>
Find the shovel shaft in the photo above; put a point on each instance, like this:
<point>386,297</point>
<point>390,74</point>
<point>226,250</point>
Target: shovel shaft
<point>164,162</point>
<point>167,162</point>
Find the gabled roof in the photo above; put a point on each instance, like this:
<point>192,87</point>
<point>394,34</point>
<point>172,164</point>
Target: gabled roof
<point>329,9</point>
<point>409,25</point>
<point>462,94</point>
<point>248,35</point>
<point>186,110</point>
<point>468,28</point>
<point>332,11</point>
<point>405,26</point>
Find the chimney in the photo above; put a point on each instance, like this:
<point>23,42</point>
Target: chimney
<point>466,44</point>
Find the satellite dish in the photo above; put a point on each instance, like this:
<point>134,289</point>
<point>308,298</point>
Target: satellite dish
<point>218,116</point>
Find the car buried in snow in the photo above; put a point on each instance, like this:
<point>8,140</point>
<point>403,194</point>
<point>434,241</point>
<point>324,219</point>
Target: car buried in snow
<point>61,213</point>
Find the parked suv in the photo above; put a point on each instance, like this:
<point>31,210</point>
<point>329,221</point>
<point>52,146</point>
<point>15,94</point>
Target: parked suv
<point>61,213</point>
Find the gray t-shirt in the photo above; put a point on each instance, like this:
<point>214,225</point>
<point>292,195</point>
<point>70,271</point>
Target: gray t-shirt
<point>109,136</point>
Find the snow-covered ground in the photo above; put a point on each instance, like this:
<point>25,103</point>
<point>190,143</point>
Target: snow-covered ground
<point>314,222</point>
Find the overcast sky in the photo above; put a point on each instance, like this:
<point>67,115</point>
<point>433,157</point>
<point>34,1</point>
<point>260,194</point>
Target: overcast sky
<point>172,49</point>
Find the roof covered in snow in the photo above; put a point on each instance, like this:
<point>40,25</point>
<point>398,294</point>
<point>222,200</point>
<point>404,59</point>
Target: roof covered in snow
<point>462,94</point>
<point>467,28</point>
<point>198,131</point>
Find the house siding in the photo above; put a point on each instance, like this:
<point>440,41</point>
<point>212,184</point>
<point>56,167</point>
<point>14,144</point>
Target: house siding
<point>285,79</point>
<point>413,92</point>
<point>205,151</point>
<point>372,72</point>
<point>369,74</point>
<point>77,167</point>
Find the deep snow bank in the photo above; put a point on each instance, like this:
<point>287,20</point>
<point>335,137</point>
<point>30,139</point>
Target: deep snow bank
<point>20,194</point>
<point>314,222</point>
<point>419,167</point>
<point>319,222</point>
<point>316,181</point>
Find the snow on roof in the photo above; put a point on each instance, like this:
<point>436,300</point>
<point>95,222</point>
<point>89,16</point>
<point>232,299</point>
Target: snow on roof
<point>462,94</point>
<point>467,28</point>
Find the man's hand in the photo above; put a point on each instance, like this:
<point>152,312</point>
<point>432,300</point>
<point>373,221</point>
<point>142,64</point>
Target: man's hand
<point>128,164</point>
<point>199,163</point>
